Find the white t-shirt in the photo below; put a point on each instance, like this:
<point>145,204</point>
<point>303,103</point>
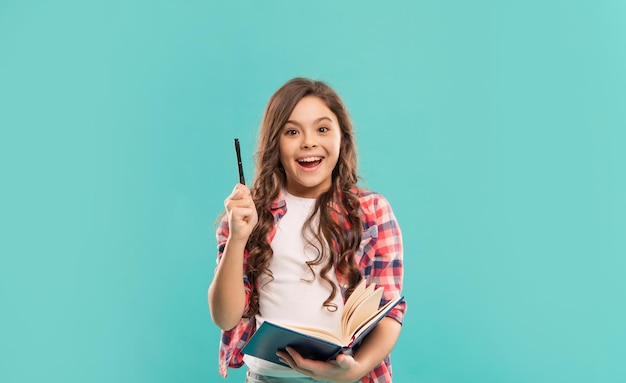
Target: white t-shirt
<point>295,296</point>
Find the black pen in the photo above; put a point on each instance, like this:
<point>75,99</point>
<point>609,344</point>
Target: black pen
<point>242,180</point>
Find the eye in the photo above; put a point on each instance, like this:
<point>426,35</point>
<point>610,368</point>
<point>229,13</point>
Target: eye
<point>322,129</point>
<point>291,132</point>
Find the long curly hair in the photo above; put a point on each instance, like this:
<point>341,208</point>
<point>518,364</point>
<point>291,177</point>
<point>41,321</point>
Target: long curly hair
<point>338,230</point>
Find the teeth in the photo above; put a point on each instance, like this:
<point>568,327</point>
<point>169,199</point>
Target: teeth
<point>310,159</point>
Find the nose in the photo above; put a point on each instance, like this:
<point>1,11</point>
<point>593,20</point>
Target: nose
<point>309,141</point>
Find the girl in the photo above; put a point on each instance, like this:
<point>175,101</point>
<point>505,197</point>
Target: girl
<point>305,236</point>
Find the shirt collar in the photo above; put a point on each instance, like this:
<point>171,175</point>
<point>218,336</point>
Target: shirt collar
<point>279,202</point>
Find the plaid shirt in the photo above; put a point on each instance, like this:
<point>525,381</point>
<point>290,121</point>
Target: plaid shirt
<point>379,257</point>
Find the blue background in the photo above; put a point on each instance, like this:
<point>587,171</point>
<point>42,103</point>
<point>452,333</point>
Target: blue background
<point>496,129</point>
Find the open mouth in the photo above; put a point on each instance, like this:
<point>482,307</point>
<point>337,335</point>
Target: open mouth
<point>309,162</point>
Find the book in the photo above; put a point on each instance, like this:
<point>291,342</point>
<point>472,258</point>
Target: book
<point>360,315</point>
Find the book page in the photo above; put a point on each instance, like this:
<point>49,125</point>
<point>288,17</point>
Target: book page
<point>360,310</point>
<point>358,290</point>
<point>316,333</point>
<point>366,324</point>
<point>360,293</point>
<point>364,310</point>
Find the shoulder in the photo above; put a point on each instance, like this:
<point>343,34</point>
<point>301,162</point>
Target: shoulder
<point>371,201</point>
<point>375,208</point>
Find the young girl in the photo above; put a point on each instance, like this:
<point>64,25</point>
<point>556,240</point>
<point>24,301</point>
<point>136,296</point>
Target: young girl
<point>304,237</point>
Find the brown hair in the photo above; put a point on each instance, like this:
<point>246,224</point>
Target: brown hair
<point>338,208</point>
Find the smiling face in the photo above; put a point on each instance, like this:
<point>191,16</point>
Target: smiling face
<point>309,146</point>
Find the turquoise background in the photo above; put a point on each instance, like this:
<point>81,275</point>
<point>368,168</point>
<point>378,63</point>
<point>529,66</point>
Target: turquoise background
<point>496,129</point>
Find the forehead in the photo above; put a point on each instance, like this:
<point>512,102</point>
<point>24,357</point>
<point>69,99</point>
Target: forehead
<point>311,108</point>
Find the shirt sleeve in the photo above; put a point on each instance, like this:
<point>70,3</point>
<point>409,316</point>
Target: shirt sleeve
<point>382,262</point>
<point>232,341</point>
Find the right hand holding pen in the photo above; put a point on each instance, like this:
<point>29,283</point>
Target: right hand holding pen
<point>241,211</point>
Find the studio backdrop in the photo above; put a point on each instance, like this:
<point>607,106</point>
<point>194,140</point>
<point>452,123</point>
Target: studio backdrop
<point>496,129</point>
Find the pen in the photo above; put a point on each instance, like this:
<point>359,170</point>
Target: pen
<point>242,180</point>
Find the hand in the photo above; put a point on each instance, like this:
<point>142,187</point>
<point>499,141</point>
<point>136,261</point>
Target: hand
<point>344,369</point>
<point>241,211</point>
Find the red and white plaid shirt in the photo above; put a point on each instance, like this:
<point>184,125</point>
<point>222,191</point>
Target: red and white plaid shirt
<point>379,257</point>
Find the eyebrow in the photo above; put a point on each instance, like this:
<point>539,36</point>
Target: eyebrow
<point>314,122</point>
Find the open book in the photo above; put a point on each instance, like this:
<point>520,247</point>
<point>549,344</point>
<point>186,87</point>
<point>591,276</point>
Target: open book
<point>360,315</point>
